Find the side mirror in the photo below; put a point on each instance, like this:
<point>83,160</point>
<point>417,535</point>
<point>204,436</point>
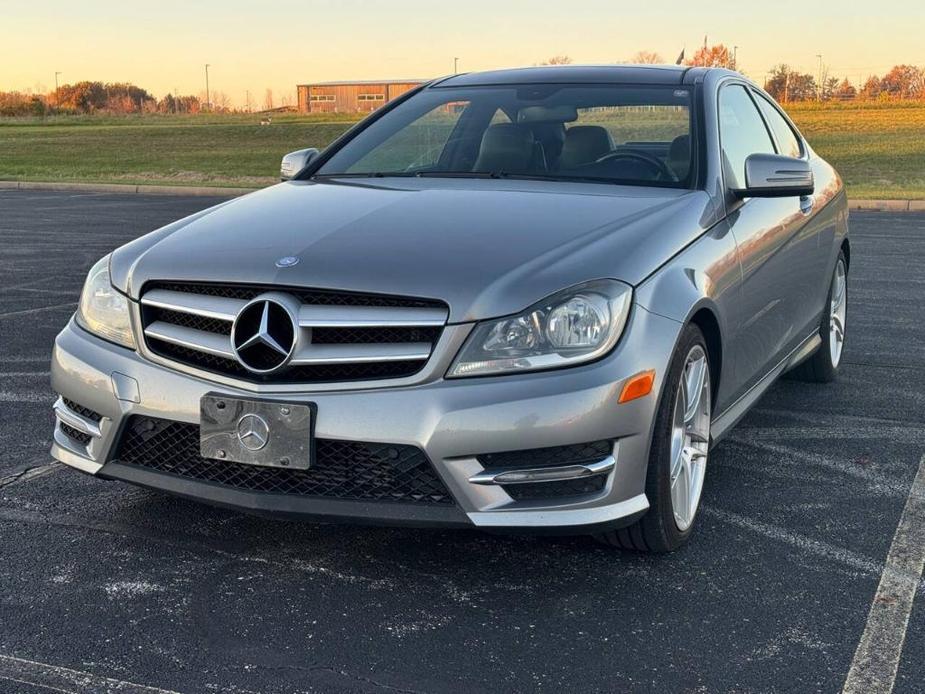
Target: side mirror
<point>295,162</point>
<point>775,176</point>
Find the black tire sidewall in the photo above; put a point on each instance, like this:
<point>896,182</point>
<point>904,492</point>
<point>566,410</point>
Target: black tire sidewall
<point>828,370</point>
<point>662,529</point>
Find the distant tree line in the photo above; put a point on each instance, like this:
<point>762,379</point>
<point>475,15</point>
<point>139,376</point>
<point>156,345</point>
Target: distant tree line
<point>783,82</point>
<point>99,97</point>
<point>901,82</point>
<point>786,84</point>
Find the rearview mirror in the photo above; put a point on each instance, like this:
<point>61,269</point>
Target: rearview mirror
<point>775,176</point>
<point>295,162</point>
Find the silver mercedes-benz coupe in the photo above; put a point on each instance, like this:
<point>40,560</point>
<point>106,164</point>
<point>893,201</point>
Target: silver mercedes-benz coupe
<point>516,300</point>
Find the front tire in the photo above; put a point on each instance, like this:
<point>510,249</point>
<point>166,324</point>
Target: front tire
<point>822,366</point>
<point>678,454</point>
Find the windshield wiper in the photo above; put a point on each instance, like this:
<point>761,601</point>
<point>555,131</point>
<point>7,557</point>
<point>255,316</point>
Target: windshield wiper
<point>484,175</point>
<point>410,174</point>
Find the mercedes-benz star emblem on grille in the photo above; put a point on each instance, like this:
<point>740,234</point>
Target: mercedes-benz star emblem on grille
<point>264,335</point>
<point>287,261</point>
<point>253,432</point>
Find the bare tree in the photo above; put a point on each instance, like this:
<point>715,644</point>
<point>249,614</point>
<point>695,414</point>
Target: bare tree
<point>268,99</point>
<point>647,58</point>
<point>558,60</point>
<point>220,101</point>
<point>712,56</point>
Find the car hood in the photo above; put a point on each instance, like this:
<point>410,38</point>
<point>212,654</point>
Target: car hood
<point>485,247</point>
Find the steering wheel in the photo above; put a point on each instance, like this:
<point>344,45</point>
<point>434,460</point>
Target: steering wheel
<point>662,170</point>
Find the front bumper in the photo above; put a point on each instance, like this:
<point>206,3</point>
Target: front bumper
<point>452,421</point>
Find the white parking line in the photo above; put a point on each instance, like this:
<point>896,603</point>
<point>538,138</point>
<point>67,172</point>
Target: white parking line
<point>876,660</point>
<point>28,311</point>
<point>26,397</point>
<point>62,679</point>
<point>858,562</point>
<point>20,374</point>
<point>35,290</point>
<point>789,460</point>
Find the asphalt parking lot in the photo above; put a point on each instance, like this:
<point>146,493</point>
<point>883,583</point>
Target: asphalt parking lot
<point>106,587</point>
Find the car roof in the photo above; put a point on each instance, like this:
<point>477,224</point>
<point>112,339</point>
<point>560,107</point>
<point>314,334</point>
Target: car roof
<point>577,74</point>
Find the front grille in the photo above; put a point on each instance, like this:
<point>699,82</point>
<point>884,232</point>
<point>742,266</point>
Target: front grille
<point>394,341</point>
<point>72,433</point>
<point>294,374</point>
<point>350,470</point>
<point>188,320</point>
<point>323,297</point>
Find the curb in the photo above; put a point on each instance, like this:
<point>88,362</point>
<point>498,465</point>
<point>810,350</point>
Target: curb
<point>887,205</point>
<point>125,189</point>
<point>859,205</point>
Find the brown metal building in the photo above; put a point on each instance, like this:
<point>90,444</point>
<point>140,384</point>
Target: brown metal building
<point>350,97</point>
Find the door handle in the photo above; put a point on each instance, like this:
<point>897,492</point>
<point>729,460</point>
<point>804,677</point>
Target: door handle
<point>806,204</point>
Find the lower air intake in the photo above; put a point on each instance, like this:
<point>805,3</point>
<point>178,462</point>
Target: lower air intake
<point>349,470</point>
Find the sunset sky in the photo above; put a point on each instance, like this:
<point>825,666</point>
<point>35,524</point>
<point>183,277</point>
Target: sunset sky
<point>254,44</point>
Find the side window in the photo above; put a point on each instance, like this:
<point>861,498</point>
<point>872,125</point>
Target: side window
<point>788,141</point>
<point>742,133</point>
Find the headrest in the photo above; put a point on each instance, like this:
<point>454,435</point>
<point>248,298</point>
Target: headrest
<point>679,155</point>
<point>505,147</point>
<point>584,144</point>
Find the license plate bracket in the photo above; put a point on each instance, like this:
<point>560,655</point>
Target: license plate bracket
<point>268,433</point>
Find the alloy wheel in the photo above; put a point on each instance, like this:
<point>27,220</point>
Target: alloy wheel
<point>690,437</point>
<point>838,312</point>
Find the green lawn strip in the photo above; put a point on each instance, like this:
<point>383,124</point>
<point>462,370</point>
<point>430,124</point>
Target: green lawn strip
<point>878,149</point>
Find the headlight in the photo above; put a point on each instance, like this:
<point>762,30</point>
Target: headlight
<point>103,311</point>
<point>571,327</point>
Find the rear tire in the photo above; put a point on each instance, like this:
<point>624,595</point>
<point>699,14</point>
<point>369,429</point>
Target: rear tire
<point>664,527</point>
<point>822,366</point>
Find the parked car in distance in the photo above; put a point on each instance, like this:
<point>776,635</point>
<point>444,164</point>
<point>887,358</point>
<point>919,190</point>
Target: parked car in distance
<point>525,299</point>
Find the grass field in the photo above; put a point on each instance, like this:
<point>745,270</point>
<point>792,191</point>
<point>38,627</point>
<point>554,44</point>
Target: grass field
<point>878,148</point>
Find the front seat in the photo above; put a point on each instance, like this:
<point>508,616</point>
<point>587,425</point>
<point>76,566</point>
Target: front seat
<point>679,156</point>
<point>506,147</point>
<point>584,144</point>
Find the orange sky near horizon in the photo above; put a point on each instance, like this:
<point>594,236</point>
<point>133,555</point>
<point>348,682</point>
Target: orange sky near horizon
<point>253,46</point>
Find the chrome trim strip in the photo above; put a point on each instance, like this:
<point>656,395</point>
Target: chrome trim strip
<point>77,421</point>
<point>360,352</point>
<point>200,340</point>
<point>549,474</point>
<point>724,422</point>
<point>218,307</point>
<point>575,517</point>
<point>320,316</point>
<point>806,351</point>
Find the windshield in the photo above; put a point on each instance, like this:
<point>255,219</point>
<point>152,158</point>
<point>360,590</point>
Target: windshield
<point>622,134</point>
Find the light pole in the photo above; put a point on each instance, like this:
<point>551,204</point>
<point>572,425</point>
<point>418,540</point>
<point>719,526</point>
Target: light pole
<point>208,101</point>
<point>455,66</point>
<point>57,98</point>
<point>819,84</point>
<point>735,57</point>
